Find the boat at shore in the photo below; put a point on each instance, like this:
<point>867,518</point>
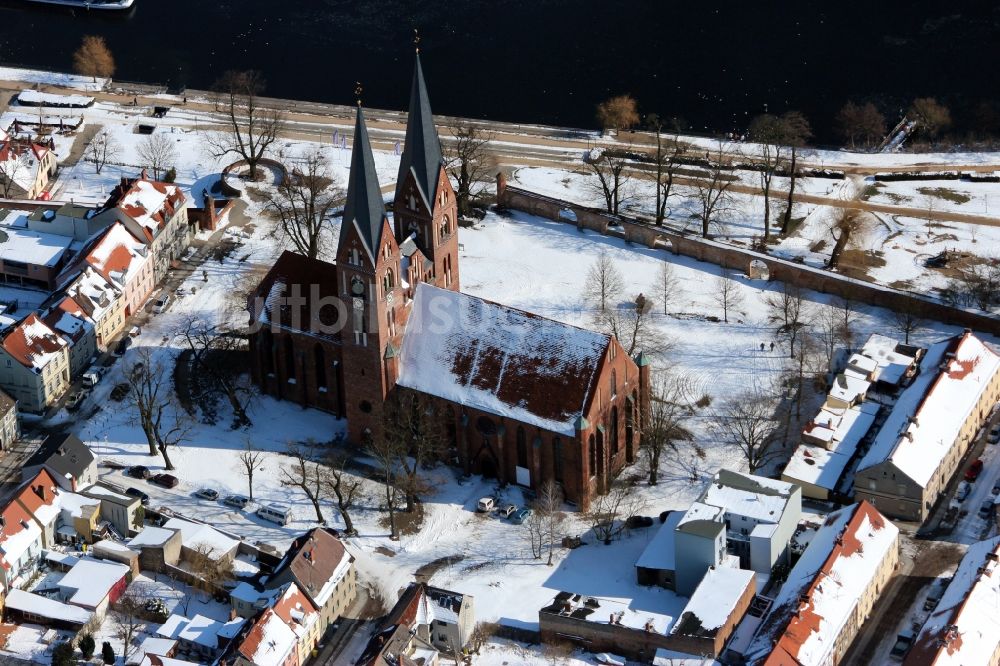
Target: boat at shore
<point>88,4</point>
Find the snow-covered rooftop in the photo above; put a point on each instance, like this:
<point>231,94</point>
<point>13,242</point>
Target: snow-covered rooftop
<point>965,626</point>
<point>849,388</point>
<point>269,641</point>
<point>926,419</point>
<point>36,604</point>
<point>823,467</point>
<point>601,610</point>
<point>713,601</point>
<point>892,364</point>
<point>659,553</point>
<point>31,247</point>
<point>199,629</point>
<point>699,512</point>
<point>199,535</point>
<point>33,344</point>
<point>503,361</point>
<point>36,98</point>
<point>822,590</point>
<point>756,497</point>
<point>151,536</point>
<point>90,581</point>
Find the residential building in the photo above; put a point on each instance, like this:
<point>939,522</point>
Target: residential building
<point>321,567</point>
<point>830,591</point>
<point>27,607</point>
<point>930,428</point>
<point>964,627</point>
<point>426,622</point>
<point>69,320</point>
<point>101,300</point>
<point>34,364</point>
<point>126,262</point>
<point>123,512</point>
<point>713,612</point>
<point>27,525</point>
<point>550,402</point>
<point>94,584</point>
<point>10,422</point>
<point>201,540</point>
<point>284,634</point>
<point>26,168</point>
<point>820,464</point>
<point>154,212</point>
<point>201,636</point>
<point>70,462</point>
<point>158,547</point>
<point>29,258</point>
<point>72,220</point>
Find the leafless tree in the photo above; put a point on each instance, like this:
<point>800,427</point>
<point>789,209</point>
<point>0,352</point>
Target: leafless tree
<point>860,124</point>
<point>796,131</point>
<point>605,283</point>
<point>846,223</point>
<point>13,170</point>
<point>344,488</point>
<point>906,322</point>
<point>609,512</point>
<point>157,152</point>
<point>848,316</point>
<point>103,149</point>
<point>535,529</point>
<point>666,285</point>
<point>728,295</point>
<point>94,58</point>
<point>414,431</point>
<point>666,159</point>
<point>210,571</point>
<point>829,332</point>
<point>712,191</point>
<point>470,161</point>
<point>789,309</point>
<point>386,452</point>
<point>481,635</point>
<point>305,474</point>
<point>213,349</point>
<point>613,180</point>
<point>250,129</point>
<point>251,461</point>
<point>932,116</point>
<point>548,505</point>
<point>669,408</point>
<point>746,422</point>
<point>304,204</point>
<point>808,360</point>
<point>633,326</point>
<point>128,619</point>
<point>163,421</point>
<point>620,112</point>
<point>779,138</point>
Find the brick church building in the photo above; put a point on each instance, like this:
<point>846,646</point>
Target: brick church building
<point>526,399</point>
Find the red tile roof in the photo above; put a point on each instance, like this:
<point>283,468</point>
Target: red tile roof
<point>31,338</point>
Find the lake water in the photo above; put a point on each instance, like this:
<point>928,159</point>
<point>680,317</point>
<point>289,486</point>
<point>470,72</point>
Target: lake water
<point>715,64</point>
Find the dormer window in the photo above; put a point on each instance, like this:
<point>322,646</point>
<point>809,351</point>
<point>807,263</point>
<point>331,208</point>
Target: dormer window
<point>412,202</point>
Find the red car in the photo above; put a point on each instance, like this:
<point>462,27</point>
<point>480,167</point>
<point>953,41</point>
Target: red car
<point>165,480</point>
<point>975,468</point>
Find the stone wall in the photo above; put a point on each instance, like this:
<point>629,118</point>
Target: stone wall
<point>728,256</point>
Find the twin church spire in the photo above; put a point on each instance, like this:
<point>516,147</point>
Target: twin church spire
<point>421,157</point>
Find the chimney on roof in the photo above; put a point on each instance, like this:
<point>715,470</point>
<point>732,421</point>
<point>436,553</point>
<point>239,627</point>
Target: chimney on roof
<point>232,614</point>
<point>40,491</point>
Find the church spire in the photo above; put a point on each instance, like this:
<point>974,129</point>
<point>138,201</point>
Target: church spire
<point>364,207</point>
<point>422,151</point>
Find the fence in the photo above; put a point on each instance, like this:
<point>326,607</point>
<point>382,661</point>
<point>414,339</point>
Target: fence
<point>728,256</point>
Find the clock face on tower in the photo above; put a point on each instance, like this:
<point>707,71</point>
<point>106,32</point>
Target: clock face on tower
<point>357,286</point>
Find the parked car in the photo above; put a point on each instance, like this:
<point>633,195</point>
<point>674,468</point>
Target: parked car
<point>996,488</point>
<point>75,400</point>
<point>964,489</point>
<point>486,504</point>
<point>122,346</point>
<point>138,472</point>
<point>135,492</point>
<point>506,510</point>
<point>90,379</point>
<point>994,435</point>
<point>276,513</point>
<point>520,516</point>
<point>904,642</point>
<point>986,509</point>
<point>237,501</point>
<point>208,494</point>
<point>934,596</point>
<point>609,659</point>
<point>635,522</point>
<point>974,470</point>
<point>119,392</point>
<point>165,480</point>
<point>161,303</point>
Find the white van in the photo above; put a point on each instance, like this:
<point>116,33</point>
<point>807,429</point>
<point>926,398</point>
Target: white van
<point>275,513</point>
<point>90,379</point>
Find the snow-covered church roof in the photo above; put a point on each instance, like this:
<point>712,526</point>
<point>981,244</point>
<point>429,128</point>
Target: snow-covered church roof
<point>500,360</point>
